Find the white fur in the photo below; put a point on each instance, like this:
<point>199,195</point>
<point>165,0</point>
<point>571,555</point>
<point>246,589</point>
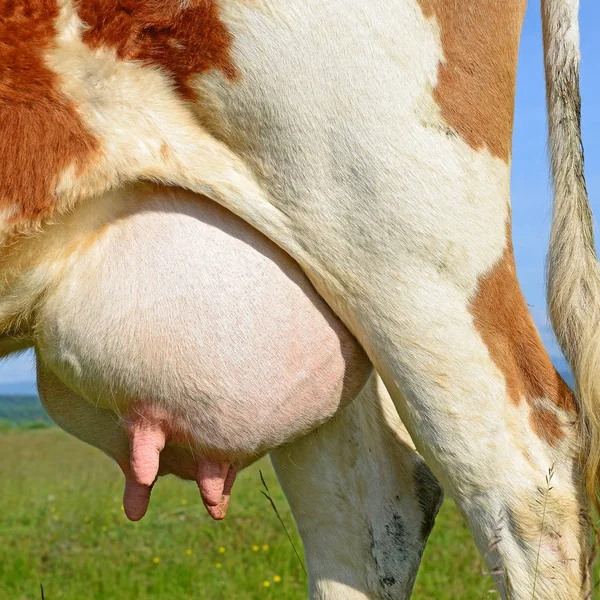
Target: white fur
<point>346,483</point>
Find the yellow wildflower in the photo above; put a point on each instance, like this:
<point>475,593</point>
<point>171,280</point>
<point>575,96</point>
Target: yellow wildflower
<point>265,547</point>
<point>218,565</point>
<point>188,551</point>
<point>255,548</point>
<point>266,583</point>
<point>222,549</point>
<point>156,560</point>
<point>276,578</point>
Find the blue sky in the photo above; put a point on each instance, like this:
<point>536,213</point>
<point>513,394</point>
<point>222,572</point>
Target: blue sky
<point>530,183</point>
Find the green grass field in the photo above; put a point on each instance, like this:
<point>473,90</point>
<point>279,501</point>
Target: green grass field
<point>18,410</point>
<point>62,525</point>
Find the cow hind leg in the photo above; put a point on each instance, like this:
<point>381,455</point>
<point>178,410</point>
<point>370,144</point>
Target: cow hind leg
<point>497,426</point>
<point>363,499</point>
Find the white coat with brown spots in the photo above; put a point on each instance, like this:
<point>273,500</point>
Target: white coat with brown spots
<point>371,141</point>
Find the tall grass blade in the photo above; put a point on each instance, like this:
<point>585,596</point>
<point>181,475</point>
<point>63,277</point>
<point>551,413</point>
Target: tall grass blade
<point>268,496</point>
<point>537,558</point>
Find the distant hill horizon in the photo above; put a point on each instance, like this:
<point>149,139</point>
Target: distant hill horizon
<point>19,409</point>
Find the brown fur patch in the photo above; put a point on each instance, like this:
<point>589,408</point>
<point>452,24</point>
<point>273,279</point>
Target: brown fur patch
<point>184,38</point>
<point>546,425</point>
<point>477,81</point>
<point>41,134</point>
<point>507,329</point>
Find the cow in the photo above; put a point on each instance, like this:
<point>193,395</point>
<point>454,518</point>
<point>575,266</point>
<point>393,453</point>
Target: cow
<point>372,143</point>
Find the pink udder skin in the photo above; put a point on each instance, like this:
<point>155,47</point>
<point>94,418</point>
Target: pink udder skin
<point>148,437</point>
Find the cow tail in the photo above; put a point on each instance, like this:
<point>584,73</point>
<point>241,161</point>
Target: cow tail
<point>573,271</point>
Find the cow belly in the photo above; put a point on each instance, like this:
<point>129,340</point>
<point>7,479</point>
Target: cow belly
<point>171,310</point>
